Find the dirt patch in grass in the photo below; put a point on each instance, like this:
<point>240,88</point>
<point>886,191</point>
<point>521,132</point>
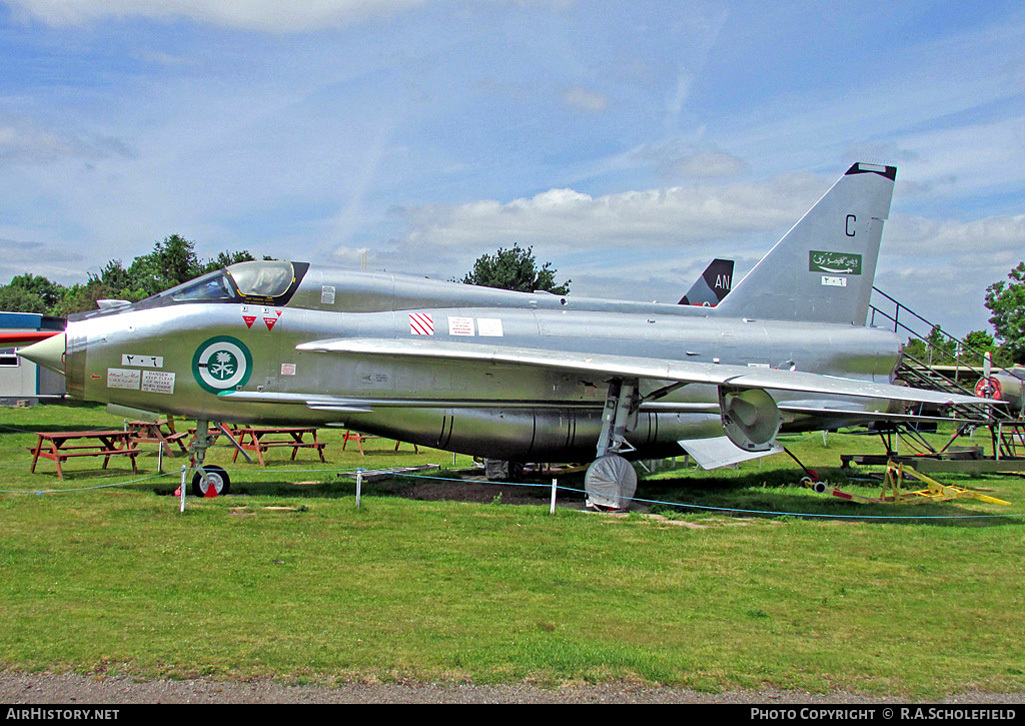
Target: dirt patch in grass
<point>475,490</point>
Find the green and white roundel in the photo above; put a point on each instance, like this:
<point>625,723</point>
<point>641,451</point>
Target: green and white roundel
<point>222,363</point>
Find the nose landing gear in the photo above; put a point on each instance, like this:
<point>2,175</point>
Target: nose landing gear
<point>209,480</point>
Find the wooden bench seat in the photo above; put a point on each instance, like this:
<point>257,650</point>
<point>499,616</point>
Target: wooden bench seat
<point>56,446</point>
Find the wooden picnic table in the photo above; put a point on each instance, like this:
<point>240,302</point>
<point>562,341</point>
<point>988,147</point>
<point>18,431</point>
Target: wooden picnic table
<point>56,446</point>
<point>214,431</point>
<point>359,438</point>
<point>152,432</point>
<point>258,439</point>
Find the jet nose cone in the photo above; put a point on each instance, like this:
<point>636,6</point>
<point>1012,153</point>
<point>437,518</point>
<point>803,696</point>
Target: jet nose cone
<point>48,353</point>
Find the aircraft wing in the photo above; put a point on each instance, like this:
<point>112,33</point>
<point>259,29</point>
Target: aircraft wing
<point>619,366</point>
<point>827,409</point>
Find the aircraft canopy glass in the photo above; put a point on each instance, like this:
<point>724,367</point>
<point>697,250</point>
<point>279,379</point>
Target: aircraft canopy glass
<point>266,278</point>
<point>264,282</point>
<point>214,286</point>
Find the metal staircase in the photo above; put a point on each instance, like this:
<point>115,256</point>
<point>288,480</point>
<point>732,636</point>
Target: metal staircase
<point>953,367</point>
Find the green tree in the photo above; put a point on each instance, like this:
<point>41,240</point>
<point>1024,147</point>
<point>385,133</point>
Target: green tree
<point>916,348</point>
<point>82,298</point>
<point>114,276</point>
<point>942,348</point>
<point>980,340</point>
<point>171,263</point>
<point>224,259</point>
<point>1006,301</point>
<point>30,293</point>
<point>975,345</point>
<point>14,299</point>
<point>514,269</point>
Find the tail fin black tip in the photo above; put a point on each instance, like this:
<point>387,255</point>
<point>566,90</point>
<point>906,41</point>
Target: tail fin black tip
<point>890,172</point>
<point>713,285</point>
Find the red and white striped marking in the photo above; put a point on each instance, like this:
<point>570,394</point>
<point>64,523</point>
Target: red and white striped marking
<point>421,324</point>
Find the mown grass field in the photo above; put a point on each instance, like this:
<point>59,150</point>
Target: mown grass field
<point>288,579</point>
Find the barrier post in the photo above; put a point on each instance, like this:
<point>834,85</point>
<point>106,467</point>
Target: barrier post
<point>555,486</point>
<point>359,486</point>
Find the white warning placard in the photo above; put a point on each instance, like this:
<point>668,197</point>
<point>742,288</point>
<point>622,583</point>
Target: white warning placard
<point>460,326</point>
<point>490,327</point>
<point>158,382</point>
<point>126,378</point>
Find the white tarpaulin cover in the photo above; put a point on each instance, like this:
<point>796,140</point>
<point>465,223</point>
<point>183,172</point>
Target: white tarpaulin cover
<point>610,482</point>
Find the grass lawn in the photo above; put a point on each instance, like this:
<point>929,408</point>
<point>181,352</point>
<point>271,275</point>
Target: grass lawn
<point>288,579</point>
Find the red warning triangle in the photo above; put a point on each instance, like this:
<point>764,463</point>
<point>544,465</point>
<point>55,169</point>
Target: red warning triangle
<point>250,319</point>
<point>270,322</point>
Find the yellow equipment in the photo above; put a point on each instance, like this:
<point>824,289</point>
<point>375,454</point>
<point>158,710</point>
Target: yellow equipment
<point>893,492</point>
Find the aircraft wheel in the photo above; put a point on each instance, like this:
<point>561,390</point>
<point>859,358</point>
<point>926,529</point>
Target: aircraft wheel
<point>610,483</point>
<point>216,477</point>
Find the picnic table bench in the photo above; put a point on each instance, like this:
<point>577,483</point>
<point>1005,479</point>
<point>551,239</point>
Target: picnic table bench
<point>56,446</point>
<point>258,439</point>
<point>152,432</point>
<point>359,438</point>
<point>215,432</point>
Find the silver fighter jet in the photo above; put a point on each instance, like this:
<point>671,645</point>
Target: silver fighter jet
<point>517,376</point>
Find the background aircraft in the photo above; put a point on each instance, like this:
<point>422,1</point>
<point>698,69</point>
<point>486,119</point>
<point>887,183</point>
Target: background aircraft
<point>713,285</point>
<point>518,376</point>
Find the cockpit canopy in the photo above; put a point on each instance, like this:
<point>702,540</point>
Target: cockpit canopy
<point>265,279</point>
<point>261,282</point>
<point>268,278</point>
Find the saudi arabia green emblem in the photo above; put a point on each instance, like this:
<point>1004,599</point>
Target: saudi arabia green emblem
<point>222,363</point>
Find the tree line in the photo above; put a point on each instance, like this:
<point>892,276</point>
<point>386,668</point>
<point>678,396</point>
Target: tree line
<point>172,262</point>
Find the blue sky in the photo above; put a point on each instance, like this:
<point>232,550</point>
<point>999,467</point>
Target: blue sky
<point>629,143</point>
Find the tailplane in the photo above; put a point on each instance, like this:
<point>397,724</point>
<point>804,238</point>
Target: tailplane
<point>823,269</point>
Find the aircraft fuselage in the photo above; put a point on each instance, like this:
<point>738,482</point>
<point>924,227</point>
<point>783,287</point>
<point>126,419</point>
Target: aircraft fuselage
<point>182,357</point>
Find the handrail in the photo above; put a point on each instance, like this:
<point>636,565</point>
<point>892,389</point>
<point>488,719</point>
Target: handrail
<point>961,345</point>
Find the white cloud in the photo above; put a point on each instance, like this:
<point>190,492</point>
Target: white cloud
<point>262,15</point>
<point>653,218</point>
<point>941,268</point>
<point>584,100</point>
<point>652,244</point>
<point>989,239</point>
<point>707,165</point>
<point>47,260</point>
<point>22,144</point>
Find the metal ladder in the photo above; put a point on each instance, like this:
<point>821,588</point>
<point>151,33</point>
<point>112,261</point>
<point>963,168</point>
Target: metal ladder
<point>1007,428</point>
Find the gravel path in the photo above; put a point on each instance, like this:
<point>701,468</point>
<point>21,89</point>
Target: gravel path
<point>21,688</point>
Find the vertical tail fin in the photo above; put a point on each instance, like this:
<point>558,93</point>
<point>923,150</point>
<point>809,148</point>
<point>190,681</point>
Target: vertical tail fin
<point>823,269</point>
<point>713,285</point>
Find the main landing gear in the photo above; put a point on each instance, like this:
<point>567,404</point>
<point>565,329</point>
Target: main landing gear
<point>610,481</point>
